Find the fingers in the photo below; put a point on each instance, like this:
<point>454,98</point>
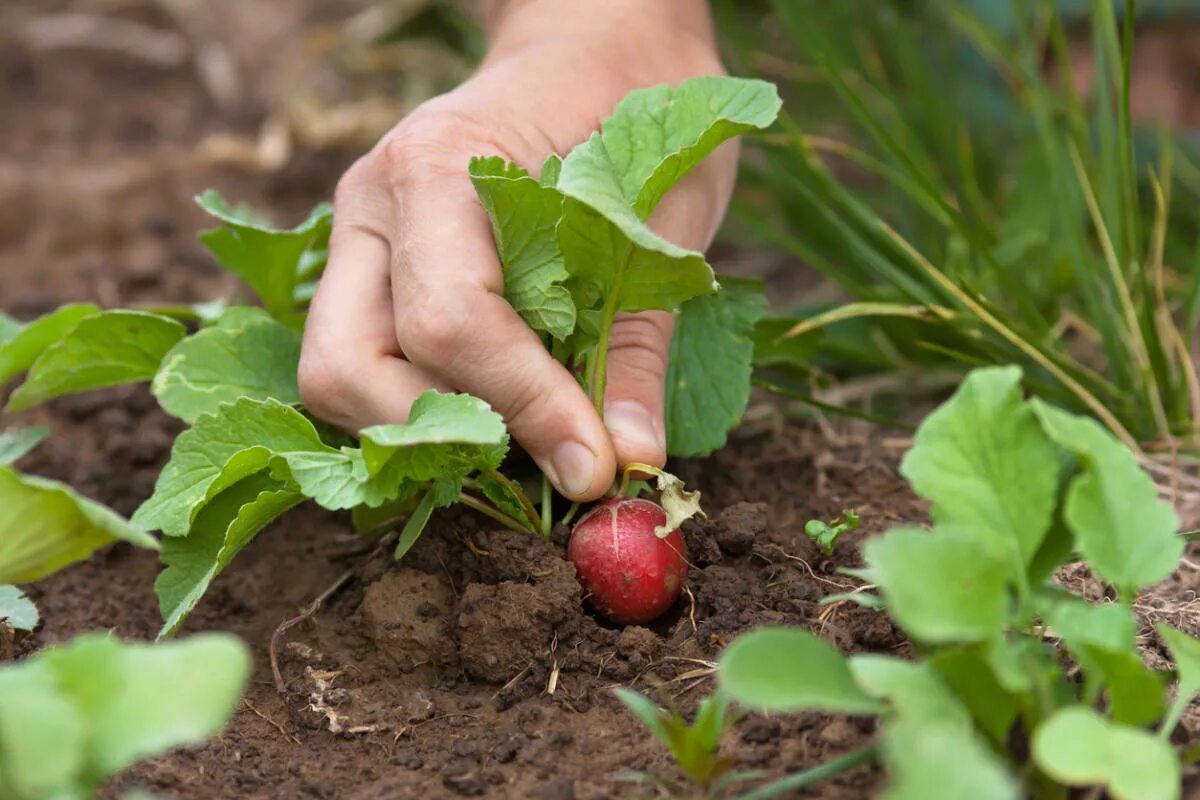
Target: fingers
<point>351,370</point>
<point>452,320</point>
<point>637,371</point>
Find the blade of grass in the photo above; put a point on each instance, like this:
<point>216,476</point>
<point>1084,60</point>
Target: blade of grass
<point>867,309</point>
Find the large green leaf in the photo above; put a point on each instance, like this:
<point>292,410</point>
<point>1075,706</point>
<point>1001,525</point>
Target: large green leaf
<point>266,258</point>
<point>16,442</point>
<point>221,529</point>
<point>256,359</point>
<point>968,674</point>
<point>16,609</point>
<point>708,374</point>
<point>45,526</point>
<point>656,136</point>
<point>1079,747</point>
<point>985,464</point>
<point>788,669</point>
<point>525,218</point>
<point>20,347</point>
<point>105,349</point>
<point>941,586</point>
<point>9,327</point>
<point>1121,526</point>
<point>42,736</point>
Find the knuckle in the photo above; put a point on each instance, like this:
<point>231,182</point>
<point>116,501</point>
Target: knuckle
<point>325,383</point>
<point>428,146</point>
<point>433,330</point>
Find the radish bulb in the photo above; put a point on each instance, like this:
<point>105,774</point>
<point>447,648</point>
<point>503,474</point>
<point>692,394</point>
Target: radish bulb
<point>629,554</point>
<point>630,575</point>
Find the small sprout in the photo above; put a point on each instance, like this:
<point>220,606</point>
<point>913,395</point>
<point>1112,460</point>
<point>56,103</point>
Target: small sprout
<point>827,534</point>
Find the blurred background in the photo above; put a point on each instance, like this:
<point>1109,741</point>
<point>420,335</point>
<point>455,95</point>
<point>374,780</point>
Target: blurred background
<point>986,143</point>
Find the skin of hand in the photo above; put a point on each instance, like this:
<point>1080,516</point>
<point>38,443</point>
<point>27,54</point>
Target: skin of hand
<point>412,297</point>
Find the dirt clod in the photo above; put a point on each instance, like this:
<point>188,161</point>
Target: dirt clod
<point>407,613</point>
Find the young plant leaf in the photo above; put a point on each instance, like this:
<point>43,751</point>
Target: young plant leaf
<point>251,356</point>
<point>656,136</point>
<point>826,534</point>
<point>416,523</point>
<point>941,586</point>
<point>221,529</point>
<point>44,526</point>
<point>1078,747</point>
<point>266,258</point>
<point>15,443</point>
<point>444,432</point>
<point>105,349</point>
<point>74,715</point>
<point>16,609</point>
<point>969,676</point>
<point>1185,652</point>
<point>525,217</point>
<point>985,464</point>
<point>930,747</point>
<point>1121,526</point>
<point>788,669</point>
<point>22,346</point>
<point>9,327</point>
<point>708,372</point>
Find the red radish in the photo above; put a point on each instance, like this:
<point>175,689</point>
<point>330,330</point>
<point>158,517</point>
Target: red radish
<point>630,574</point>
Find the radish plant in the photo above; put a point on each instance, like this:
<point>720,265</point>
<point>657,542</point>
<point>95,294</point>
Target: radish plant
<point>991,708</point>
<point>576,251</point>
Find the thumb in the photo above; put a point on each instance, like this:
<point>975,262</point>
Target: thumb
<point>634,398</point>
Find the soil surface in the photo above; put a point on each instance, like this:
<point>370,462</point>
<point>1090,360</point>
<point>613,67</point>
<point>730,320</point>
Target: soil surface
<point>472,668</point>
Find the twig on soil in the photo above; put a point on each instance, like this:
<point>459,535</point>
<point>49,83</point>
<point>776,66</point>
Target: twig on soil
<point>307,613</point>
<point>691,607</point>
<point>90,31</point>
<point>512,681</point>
<point>843,586</point>
<point>270,722</point>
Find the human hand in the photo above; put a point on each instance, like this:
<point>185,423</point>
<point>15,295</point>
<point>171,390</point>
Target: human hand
<point>412,297</point>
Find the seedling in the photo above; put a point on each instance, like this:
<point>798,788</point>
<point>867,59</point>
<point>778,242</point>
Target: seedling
<point>695,747</point>
<point>1017,488</point>
<point>826,534</point>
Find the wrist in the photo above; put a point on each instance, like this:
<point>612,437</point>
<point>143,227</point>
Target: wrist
<point>677,34</point>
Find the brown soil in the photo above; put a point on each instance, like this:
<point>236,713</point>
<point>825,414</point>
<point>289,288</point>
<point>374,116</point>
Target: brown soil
<point>471,669</point>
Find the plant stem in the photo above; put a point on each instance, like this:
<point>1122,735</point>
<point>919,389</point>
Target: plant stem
<point>808,777</point>
<point>483,508</point>
<point>547,517</point>
<point>519,493</point>
<point>597,377</point>
<point>570,515</point>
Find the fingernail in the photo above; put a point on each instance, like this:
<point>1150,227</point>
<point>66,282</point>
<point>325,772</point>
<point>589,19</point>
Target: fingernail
<point>574,467</point>
<point>631,422</point>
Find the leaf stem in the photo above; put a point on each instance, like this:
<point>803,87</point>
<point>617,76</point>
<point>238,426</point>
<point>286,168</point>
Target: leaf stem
<point>483,508</point>
<point>547,516</point>
<point>570,515</point>
<point>514,487</point>
<point>598,364</point>
<point>808,777</point>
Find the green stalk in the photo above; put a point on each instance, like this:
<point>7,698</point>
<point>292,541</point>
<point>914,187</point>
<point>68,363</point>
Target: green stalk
<point>489,511</point>
<point>597,377</point>
<point>808,777</point>
<point>547,497</point>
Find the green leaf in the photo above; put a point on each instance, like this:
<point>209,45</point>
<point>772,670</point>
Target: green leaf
<point>984,463</point>
<point>941,586</point>
<point>416,523</point>
<point>969,676</point>
<point>42,736</point>
<point>20,348</point>
<point>106,349</point>
<point>221,529</point>
<point>141,700</point>
<point>74,715</point>
<point>1185,651</point>
<point>444,432</point>
<point>45,526</point>
<point>1078,747</point>
<point>9,327</point>
<point>930,747</point>
<point>1112,506</point>
<point>256,359</point>
<point>266,258</point>
<point>771,349</point>
<point>244,438</point>
<point>15,443</point>
<point>787,669</point>
<point>16,609</point>
<point>525,217</point>
<point>708,372</point>
<point>656,136</point>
